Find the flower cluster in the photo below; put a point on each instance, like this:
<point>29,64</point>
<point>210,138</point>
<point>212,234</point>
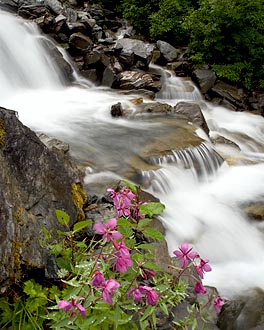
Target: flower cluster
<point>107,287</point>
<point>125,205</point>
<point>186,255</point>
<point>151,295</point>
<point>119,271</point>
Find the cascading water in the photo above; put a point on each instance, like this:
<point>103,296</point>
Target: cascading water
<point>203,207</point>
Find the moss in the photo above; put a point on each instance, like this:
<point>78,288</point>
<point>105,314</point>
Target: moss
<point>16,251</point>
<point>2,133</point>
<point>18,215</point>
<point>79,199</point>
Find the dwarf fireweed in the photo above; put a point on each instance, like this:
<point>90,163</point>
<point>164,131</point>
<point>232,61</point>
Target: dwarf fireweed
<point>112,280</point>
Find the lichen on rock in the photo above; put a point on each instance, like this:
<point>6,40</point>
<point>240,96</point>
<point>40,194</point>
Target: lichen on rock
<point>79,199</point>
<point>2,133</point>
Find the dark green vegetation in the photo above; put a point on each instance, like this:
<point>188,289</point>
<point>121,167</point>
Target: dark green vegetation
<point>226,34</point>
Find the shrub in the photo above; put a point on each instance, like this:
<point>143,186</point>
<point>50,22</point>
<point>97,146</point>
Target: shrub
<point>229,34</point>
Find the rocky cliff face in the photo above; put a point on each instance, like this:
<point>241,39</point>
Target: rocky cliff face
<point>34,182</point>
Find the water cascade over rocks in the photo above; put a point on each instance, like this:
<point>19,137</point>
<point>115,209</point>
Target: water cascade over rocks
<point>205,194</point>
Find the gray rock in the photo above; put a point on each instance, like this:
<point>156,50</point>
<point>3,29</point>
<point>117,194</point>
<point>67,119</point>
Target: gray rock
<point>79,43</point>
<point>140,49</point>
<point>205,79</point>
<point>136,80</point>
<point>167,50</point>
<point>34,182</point>
<point>193,112</point>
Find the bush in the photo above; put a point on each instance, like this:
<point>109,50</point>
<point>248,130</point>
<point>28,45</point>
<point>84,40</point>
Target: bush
<point>229,34</point>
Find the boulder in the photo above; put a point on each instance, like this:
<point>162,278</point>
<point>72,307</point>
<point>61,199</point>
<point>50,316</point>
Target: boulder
<point>193,112</point>
<point>136,49</point>
<point>168,52</point>
<point>79,43</point>
<point>205,79</point>
<point>34,182</point>
<point>136,80</point>
<point>235,96</point>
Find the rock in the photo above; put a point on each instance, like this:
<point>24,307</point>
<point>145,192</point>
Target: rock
<point>205,79</point>
<point>108,76</point>
<point>232,94</point>
<point>244,313</point>
<point>155,108</point>
<point>56,56</point>
<point>54,5</point>
<point>117,110</point>
<point>34,182</point>
<point>9,5</point>
<point>79,43</point>
<point>168,52</point>
<point>260,105</point>
<point>32,10</point>
<point>136,80</point>
<point>255,211</point>
<point>140,50</point>
<point>193,112</point>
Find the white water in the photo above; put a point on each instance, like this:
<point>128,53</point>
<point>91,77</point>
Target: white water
<point>204,211</point>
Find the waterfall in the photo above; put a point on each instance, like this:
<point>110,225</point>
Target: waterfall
<point>203,195</point>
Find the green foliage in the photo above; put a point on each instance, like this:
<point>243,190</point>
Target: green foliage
<point>167,22</point>
<point>137,12</point>
<point>229,34</point>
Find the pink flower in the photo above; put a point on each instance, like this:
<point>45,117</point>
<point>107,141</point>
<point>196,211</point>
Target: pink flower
<point>122,201</point>
<point>218,303</point>
<point>109,287</point>
<point>98,279</point>
<point>185,255</point>
<point>136,293</point>
<point>121,249</point>
<point>199,288</point>
<point>71,307</point>
<point>203,267</point>
<point>108,230</point>
<point>150,294</point>
<point>122,263</point>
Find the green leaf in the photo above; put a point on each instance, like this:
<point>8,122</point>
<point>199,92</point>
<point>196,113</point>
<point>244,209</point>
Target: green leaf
<point>144,222</point>
<point>29,288</point>
<point>149,310</point>
<point>151,209</point>
<point>146,247</point>
<point>125,227</point>
<point>130,185</point>
<point>81,225</point>
<point>151,265</point>
<point>153,233</point>
<point>62,217</point>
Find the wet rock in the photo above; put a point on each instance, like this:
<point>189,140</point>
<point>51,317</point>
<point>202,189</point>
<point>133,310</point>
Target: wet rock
<point>244,313</point>
<point>34,182</point>
<point>54,5</point>
<point>235,96</point>
<point>57,57</point>
<point>9,5</point>
<point>117,110</point>
<point>205,79</point>
<point>79,43</point>
<point>136,80</point>
<point>255,211</point>
<point>168,52</point>
<point>155,108</point>
<point>136,49</point>
<point>193,112</point>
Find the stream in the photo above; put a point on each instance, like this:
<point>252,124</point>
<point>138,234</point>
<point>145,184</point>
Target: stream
<point>205,208</point>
